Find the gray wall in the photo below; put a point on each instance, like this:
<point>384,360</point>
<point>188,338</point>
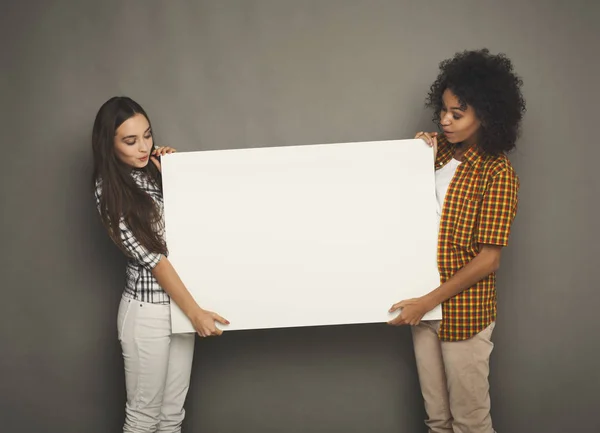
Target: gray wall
<point>231,74</point>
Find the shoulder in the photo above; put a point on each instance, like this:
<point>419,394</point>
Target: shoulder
<point>143,179</point>
<point>499,171</point>
<point>147,184</point>
<point>498,165</point>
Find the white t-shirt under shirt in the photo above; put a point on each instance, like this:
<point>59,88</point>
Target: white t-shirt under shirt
<point>443,177</point>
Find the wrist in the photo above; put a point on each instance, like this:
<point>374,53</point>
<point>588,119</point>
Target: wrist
<point>429,302</point>
<point>193,311</point>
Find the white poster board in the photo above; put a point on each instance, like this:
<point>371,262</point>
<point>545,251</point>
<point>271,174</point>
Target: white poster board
<point>305,235</point>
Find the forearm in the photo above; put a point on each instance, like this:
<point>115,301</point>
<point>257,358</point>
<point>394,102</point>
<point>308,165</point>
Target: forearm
<point>169,280</point>
<point>486,262</point>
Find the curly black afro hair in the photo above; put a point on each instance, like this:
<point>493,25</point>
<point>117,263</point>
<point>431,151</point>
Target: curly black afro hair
<point>487,83</point>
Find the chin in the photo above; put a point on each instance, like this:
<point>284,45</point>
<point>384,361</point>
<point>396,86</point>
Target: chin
<point>452,138</point>
<point>138,164</point>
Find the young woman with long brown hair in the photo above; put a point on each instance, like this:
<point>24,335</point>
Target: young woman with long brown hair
<point>128,191</point>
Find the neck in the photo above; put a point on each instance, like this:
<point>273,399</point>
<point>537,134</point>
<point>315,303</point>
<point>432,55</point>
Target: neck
<point>460,150</point>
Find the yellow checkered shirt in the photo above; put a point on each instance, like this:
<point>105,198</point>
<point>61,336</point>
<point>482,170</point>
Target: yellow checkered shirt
<point>479,208</point>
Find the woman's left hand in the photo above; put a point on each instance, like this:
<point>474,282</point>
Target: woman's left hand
<point>160,151</point>
<point>412,312</point>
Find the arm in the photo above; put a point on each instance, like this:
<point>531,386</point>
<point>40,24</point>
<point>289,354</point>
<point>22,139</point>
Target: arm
<point>485,263</point>
<point>202,320</point>
<point>482,265</point>
<point>167,277</point>
<point>497,214</point>
<point>169,280</point>
<point>164,272</point>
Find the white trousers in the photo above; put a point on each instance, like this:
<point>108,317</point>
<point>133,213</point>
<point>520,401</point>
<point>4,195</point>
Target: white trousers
<point>158,366</point>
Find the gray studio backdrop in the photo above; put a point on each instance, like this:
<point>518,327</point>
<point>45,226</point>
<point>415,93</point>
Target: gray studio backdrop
<point>233,74</point>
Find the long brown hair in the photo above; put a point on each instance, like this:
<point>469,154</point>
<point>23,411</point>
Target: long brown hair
<point>121,197</point>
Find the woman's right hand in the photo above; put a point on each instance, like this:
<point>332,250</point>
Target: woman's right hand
<point>158,152</point>
<point>430,138</point>
<point>204,322</point>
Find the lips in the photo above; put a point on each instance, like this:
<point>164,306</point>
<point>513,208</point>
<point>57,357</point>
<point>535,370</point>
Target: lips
<point>144,159</point>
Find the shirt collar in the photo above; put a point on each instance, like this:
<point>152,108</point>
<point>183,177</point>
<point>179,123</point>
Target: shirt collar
<point>473,155</point>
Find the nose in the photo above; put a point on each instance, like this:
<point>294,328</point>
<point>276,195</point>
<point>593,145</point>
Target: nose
<point>145,145</point>
<point>446,119</point>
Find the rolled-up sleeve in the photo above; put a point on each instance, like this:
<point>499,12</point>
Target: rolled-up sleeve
<point>498,209</point>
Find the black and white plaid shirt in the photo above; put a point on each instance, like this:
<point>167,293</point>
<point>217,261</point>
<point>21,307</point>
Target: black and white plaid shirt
<point>140,284</point>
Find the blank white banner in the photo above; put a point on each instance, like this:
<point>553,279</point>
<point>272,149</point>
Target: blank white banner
<point>307,235</point>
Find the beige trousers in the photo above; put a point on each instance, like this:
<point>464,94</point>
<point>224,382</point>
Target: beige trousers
<point>454,379</point>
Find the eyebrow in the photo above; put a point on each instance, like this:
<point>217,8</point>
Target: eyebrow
<point>133,136</point>
<point>461,109</point>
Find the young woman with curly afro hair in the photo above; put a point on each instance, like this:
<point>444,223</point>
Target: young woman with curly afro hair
<point>477,103</point>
